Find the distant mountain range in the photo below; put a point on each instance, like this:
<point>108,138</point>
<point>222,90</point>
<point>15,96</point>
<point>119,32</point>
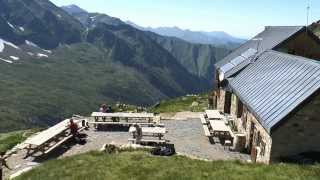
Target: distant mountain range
<point>55,62</point>
<point>218,38</point>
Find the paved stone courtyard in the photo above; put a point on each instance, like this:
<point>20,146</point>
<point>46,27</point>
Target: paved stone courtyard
<point>187,136</point>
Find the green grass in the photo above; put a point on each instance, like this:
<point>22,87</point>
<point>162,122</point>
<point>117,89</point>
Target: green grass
<point>139,165</point>
<point>9,140</point>
<point>182,104</point>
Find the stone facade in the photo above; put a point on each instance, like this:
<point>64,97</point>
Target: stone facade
<point>302,45</point>
<point>220,99</point>
<point>234,104</point>
<point>258,140</point>
<point>300,132</point>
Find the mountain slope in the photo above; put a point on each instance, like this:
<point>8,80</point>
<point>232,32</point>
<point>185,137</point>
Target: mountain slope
<point>198,59</point>
<point>38,21</point>
<point>217,38</point>
<point>87,64</point>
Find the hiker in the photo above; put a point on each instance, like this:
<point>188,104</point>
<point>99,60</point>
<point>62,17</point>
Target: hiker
<point>103,108</point>
<point>109,109</point>
<point>138,133</point>
<point>73,129</point>
<point>3,163</point>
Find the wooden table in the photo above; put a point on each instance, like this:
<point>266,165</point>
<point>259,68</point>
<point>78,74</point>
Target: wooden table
<point>214,114</point>
<point>123,115</point>
<point>219,126</point>
<point>157,132</point>
<point>122,118</point>
<point>42,141</point>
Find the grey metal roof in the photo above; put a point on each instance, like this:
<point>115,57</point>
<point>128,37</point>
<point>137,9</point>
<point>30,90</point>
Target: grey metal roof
<point>275,84</point>
<point>270,38</point>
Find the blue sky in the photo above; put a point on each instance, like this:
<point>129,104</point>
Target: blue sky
<point>242,18</point>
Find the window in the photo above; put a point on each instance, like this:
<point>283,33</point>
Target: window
<point>263,148</point>
<point>244,119</point>
<point>259,139</point>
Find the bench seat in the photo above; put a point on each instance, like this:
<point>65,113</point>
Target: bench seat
<point>206,130</point>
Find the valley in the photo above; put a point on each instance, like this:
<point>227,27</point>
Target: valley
<point>56,63</point>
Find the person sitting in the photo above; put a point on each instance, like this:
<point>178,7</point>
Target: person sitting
<point>73,129</point>
<point>103,108</point>
<point>109,109</point>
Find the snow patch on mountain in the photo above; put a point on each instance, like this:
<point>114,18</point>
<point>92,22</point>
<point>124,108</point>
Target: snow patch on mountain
<point>7,61</point>
<point>31,44</point>
<point>47,51</point>
<point>30,53</point>
<point>3,42</point>
<point>10,25</point>
<point>94,17</point>
<point>14,58</point>
<point>42,55</point>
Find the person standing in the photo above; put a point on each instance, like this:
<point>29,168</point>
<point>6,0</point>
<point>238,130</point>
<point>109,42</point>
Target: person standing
<point>138,133</point>
<point>3,162</point>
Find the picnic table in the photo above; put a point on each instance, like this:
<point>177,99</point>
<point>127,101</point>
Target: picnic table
<point>122,118</point>
<point>214,114</point>
<point>50,138</point>
<point>156,132</point>
<point>219,127</point>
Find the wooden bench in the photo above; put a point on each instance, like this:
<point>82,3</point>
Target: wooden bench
<point>162,141</point>
<point>51,138</point>
<point>59,143</point>
<point>121,123</point>
<point>203,120</point>
<point>227,144</point>
<point>206,130</point>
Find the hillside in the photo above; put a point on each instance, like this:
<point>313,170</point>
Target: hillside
<point>198,59</point>
<point>140,165</point>
<point>54,65</point>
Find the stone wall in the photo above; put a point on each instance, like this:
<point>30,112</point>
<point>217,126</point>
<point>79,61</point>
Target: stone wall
<point>302,45</point>
<point>299,133</point>
<point>234,104</point>
<point>261,139</point>
<point>220,100</point>
<point>259,136</point>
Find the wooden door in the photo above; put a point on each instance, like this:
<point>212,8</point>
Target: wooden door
<point>227,102</point>
<point>251,138</point>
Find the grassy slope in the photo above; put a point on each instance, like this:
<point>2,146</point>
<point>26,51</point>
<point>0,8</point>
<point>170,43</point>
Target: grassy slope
<point>44,91</point>
<point>9,140</point>
<point>182,104</point>
<point>140,165</point>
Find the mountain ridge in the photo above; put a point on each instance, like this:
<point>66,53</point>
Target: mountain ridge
<point>218,38</point>
<point>100,60</point>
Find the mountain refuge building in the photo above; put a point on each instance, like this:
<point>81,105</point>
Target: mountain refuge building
<point>271,87</point>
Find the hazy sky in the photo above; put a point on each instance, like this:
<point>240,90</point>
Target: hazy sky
<point>242,18</point>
